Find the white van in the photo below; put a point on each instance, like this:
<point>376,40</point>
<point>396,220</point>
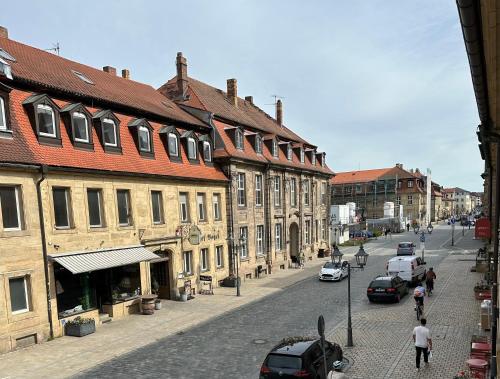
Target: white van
<point>409,268</point>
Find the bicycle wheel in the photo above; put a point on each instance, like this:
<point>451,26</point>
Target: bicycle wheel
<point>418,312</point>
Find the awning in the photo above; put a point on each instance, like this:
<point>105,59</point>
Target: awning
<point>83,261</point>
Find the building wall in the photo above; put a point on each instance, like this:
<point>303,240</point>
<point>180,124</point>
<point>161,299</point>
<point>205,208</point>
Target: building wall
<point>21,255</point>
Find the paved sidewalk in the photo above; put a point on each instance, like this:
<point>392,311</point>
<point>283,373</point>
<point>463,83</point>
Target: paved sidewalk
<point>382,335</point>
<point>122,336</point>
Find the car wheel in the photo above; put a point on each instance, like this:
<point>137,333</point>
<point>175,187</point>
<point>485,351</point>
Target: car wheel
<point>371,300</point>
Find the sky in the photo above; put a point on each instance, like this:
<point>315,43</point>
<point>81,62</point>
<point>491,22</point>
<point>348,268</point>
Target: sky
<point>370,82</point>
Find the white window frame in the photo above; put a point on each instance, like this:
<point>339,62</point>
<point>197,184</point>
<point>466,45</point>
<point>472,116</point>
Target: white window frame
<point>410,199</point>
<point>244,247</point>
<point>324,187</point>
<point>99,203</point>
<point>26,296</point>
<point>289,152</point>
<point>258,145</point>
<point>258,190</point>
<point>108,121</point>
<point>219,256</point>
<point>307,232</point>
<point>82,116</point>
<point>160,207</point>
<point>205,144</point>
<point>277,191</point>
<point>277,237</point>
<point>128,203</point>
<point>410,183</point>
<point>293,192</point>
<point>307,193</point>
<point>68,208</point>
<point>201,206</point>
<point>204,259</point>
<point>323,229</point>
<point>191,143</point>
<point>239,139</point>
<point>18,209</point>
<point>241,191</point>
<point>216,199</point>
<point>275,148</point>
<point>184,206</point>
<point>48,107</point>
<point>302,155</point>
<point>143,129</point>
<point>259,236</point>
<point>3,119</point>
<point>398,201</point>
<point>170,137</point>
<point>187,263</point>
<point>313,159</point>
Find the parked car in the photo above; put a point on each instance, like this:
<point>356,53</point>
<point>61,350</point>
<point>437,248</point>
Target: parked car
<point>384,288</point>
<point>299,358</point>
<point>333,271</point>
<point>406,248</point>
<point>411,269</point>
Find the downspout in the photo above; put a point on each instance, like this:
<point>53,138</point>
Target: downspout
<point>494,292</point>
<point>267,209</point>
<point>230,219</point>
<point>43,171</point>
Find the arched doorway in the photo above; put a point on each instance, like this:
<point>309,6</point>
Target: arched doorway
<point>160,270</point>
<point>294,242</point>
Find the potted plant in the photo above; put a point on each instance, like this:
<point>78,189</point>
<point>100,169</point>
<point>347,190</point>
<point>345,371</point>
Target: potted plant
<point>80,327</point>
<point>157,304</point>
<point>482,290</point>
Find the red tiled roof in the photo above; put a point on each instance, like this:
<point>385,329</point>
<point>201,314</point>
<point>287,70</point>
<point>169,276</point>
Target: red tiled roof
<point>24,147</point>
<point>359,176</point>
<point>215,100</point>
<point>41,68</point>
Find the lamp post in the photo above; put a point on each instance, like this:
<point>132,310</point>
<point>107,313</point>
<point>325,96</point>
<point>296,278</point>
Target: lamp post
<point>361,259</point>
<point>236,250</point>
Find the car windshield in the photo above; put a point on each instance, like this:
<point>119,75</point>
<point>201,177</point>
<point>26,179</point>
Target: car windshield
<point>405,245</point>
<point>380,284</point>
<point>284,361</point>
<point>331,265</point>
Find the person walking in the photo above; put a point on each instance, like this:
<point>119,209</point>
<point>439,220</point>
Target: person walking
<point>384,231</point>
<point>408,227</point>
<point>423,342</point>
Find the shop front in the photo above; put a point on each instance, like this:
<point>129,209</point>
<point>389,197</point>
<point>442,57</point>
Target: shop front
<point>100,283</point>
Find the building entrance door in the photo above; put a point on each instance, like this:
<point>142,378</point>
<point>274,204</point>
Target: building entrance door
<point>160,274</point>
<point>294,242</point>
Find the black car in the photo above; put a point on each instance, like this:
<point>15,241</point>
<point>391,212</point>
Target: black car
<point>299,358</point>
<point>383,288</point>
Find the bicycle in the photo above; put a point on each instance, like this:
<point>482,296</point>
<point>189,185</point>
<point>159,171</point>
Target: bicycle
<point>419,309</point>
<point>430,287</point>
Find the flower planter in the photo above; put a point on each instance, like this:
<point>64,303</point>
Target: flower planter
<point>80,330</point>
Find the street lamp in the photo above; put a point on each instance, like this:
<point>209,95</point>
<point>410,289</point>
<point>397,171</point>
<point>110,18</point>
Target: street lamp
<point>235,248</point>
<point>361,259</point>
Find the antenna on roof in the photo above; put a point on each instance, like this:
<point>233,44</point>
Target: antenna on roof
<point>276,97</point>
<point>55,48</point>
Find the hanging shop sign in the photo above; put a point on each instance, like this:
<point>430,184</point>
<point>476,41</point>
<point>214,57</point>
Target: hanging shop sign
<point>483,228</point>
<point>205,278</point>
<point>194,235</point>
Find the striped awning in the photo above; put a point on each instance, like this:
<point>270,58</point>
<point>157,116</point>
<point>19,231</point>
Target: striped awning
<point>85,261</point>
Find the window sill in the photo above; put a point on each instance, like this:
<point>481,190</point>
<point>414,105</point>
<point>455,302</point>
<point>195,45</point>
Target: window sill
<point>125,227</point>
<point>157,226</point>
<point>219,268</point>
<point>97,229</point>
<point>6,133</point>
<point>57,230</point>
<point>14,233</point>
<point>246,259</point>
<point>22,316</point>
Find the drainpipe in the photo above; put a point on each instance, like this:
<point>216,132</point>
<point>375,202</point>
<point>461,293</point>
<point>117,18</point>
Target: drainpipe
<point>494,292</point>
<point>43,171</point>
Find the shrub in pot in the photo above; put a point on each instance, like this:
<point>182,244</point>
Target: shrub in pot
<point>80,327</point>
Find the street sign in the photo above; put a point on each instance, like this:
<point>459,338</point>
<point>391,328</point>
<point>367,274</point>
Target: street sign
<point>483,228</point>
<point>422,237</point>
<point>453,220</point>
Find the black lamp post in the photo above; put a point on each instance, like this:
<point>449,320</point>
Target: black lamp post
<point>235,248</point>
<point>361,259</point>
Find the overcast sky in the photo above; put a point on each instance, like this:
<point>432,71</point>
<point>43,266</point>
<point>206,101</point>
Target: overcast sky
<point>372,83</point>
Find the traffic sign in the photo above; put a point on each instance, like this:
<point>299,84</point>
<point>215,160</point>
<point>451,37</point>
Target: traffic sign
<point>422,237</point>
<point>453,220</point>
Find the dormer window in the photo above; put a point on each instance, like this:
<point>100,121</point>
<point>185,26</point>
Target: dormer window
<point>191,148</point>
<point>142,132</point>
<point>109,132</point>
<point>258,144</point>
<point>207,151</point>
<point>301,155</point>
<point>4,111</point>
<point>81,127</point>
<point>313,159</point>
<point>3,117</point>
<point>323,159</point>
<point>144,139</point>
<point>289,152</point>
<point>275,148</point>
<point>107,125</point>
<point>173,145</point>
<point>238,137</point>
<point>44,115</point>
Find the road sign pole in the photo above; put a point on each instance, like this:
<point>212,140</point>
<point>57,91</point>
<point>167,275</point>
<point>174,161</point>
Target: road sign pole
<point>321,332</point>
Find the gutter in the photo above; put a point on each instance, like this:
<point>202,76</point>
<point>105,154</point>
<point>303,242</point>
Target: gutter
<point>43,172</point>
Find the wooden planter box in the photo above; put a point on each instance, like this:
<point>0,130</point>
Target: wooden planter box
<point>80,330</point>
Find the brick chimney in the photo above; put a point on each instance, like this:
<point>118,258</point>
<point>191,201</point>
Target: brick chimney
<point>109,70</point>
<point>249,99</point>
<point>125,74</point>
<point>399,165</point>
<point>232,91</point>
<point>4,32</point>
<point>182,77</point>
<point>279,113</point>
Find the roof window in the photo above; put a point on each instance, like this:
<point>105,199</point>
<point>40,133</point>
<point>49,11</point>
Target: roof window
<point>6,55</point>
<point>5,69</point>
<point>82,77</point>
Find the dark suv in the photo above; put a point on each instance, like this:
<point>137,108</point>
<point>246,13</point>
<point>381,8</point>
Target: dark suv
<point>299,358</point>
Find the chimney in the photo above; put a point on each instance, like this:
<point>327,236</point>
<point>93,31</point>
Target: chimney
<point>4,32</point>
<point>182,76</point>
<point>232,91</point>
<point>249,99</point>
<point>109,70</point>
<point>125,74</point>
<point>399,165</point>
<point>279,113</point>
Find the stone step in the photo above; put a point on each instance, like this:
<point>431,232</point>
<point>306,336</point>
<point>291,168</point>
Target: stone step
<point>104,318</point>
